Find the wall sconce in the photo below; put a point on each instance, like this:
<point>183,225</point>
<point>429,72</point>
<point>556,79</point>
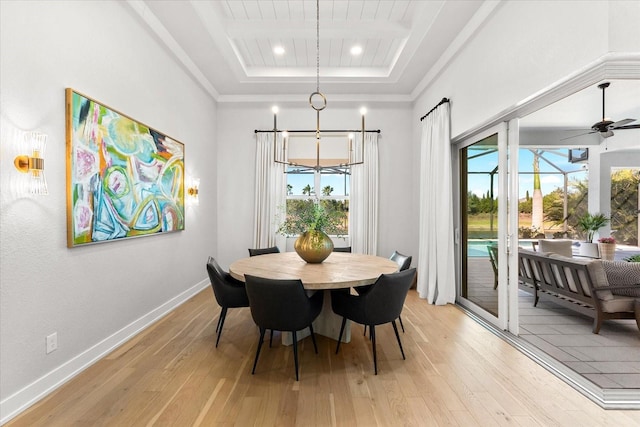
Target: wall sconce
<point>34,143</point>
<point>193,187</point>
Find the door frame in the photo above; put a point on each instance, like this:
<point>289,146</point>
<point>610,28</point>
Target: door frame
<point>502,320</point>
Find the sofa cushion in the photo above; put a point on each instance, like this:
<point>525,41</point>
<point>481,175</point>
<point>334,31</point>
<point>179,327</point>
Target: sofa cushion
<point>560,247</point>
<point>623,273</point>
<point>618,304</point>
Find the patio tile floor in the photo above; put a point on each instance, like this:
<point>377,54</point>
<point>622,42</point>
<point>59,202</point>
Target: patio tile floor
<point>610,359</point>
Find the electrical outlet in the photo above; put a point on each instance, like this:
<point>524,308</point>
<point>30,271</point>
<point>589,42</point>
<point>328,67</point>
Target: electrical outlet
<point>52,342</point>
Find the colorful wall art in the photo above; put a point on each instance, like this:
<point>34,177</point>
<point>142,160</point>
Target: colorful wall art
<point>124,179</point>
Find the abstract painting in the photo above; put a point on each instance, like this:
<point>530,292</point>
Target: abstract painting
<point>124,179</point>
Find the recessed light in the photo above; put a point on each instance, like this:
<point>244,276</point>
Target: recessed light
<point>278,50</point>
<point>356,50</point>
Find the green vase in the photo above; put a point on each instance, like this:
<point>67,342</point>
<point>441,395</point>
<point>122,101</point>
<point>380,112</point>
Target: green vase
<point>313,246</point>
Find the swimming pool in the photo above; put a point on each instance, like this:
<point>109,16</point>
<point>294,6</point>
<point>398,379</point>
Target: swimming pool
<point>478,247</point>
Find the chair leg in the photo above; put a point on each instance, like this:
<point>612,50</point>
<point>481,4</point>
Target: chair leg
<point>344,322</point>
<point>223,315</point>
<point>295,351</point>
<point>401,325</point>
<point>219,319</point>
<point>313,338</point>
<point>597,322</point>
<point>365,330</point>
<point>255,362</point>
<point>372,328</point>
<point>395,329</point>
<point>270,338</point>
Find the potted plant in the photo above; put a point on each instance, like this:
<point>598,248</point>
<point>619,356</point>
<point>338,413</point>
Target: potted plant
<point>590,223</point>
<point>607,247</point>
<point>312,221</point>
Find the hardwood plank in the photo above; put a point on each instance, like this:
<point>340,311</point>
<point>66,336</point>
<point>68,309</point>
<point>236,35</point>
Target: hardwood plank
<point>455,373</point>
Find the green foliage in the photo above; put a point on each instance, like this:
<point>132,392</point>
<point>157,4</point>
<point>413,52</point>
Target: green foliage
<point>526,205</point>
<point>485,204</point>
<point>624,205</point>
<point>633,258</point>
<point>329,216</point>
<point>590,223</point>
<point>553,204</point>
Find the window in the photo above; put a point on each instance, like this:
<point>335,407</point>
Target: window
<point>333,195</point>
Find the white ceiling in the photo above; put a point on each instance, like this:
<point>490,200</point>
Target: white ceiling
<point>227,46</point>
<point>584,108</point>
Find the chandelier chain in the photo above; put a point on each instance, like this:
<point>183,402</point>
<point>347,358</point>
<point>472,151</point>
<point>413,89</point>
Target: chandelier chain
<point>317,45</point>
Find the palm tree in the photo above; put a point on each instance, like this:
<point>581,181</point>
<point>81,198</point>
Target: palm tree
<point>289,189</point>
<point>307,190</point>
<point>326,191</point>
<point>537,209</point>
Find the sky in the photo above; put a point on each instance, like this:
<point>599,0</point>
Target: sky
<point>479,183</point>
<point>299,181</point>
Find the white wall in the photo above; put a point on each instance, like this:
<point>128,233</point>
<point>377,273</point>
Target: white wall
<point>523,48</point>
<point>236,160</point>
<point>96,295</point>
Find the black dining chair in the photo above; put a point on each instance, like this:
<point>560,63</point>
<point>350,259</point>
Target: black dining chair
<point>229,292</point>
<point>379,305</point>
<point>262,251</point>
<point>404,262</point>
<point>342,249</point>
<point>282,305</point>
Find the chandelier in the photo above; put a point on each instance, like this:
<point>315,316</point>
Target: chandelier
<point>318,101</point>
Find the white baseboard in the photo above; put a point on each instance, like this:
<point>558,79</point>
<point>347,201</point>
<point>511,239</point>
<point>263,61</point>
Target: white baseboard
<point>22,399</point>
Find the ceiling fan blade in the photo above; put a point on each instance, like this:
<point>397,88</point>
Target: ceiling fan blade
<point>575,136</point>
<point>606,134</point>
<point>627,127</point>
<point>616,125</point>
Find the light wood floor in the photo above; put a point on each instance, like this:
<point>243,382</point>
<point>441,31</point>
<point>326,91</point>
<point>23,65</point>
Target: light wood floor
<point>456,373</point>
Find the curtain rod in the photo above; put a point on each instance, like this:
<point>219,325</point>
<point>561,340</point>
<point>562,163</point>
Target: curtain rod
<point>431,111</point>
<point>313,131</point>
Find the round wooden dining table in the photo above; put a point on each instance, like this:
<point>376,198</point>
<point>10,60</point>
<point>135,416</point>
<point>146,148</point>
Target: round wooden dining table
<point>339,270</point>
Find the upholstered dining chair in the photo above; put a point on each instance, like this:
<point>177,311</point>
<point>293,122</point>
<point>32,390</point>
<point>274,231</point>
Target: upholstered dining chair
<point>379,305</point>
<point>404,262</point>
<point>229,292</point>
<point>262,251</point>
<point>282,305</point>
<point>342,249</point>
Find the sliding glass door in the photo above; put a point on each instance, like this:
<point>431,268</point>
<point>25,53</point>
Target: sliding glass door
<point>482,228</point>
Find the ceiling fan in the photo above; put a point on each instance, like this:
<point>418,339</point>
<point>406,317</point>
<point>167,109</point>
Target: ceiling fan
<point>605,127</point>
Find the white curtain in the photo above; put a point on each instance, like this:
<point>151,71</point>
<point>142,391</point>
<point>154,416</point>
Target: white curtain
<point>363,200</point>
<point>270,194</point>
<point>436,278</point>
